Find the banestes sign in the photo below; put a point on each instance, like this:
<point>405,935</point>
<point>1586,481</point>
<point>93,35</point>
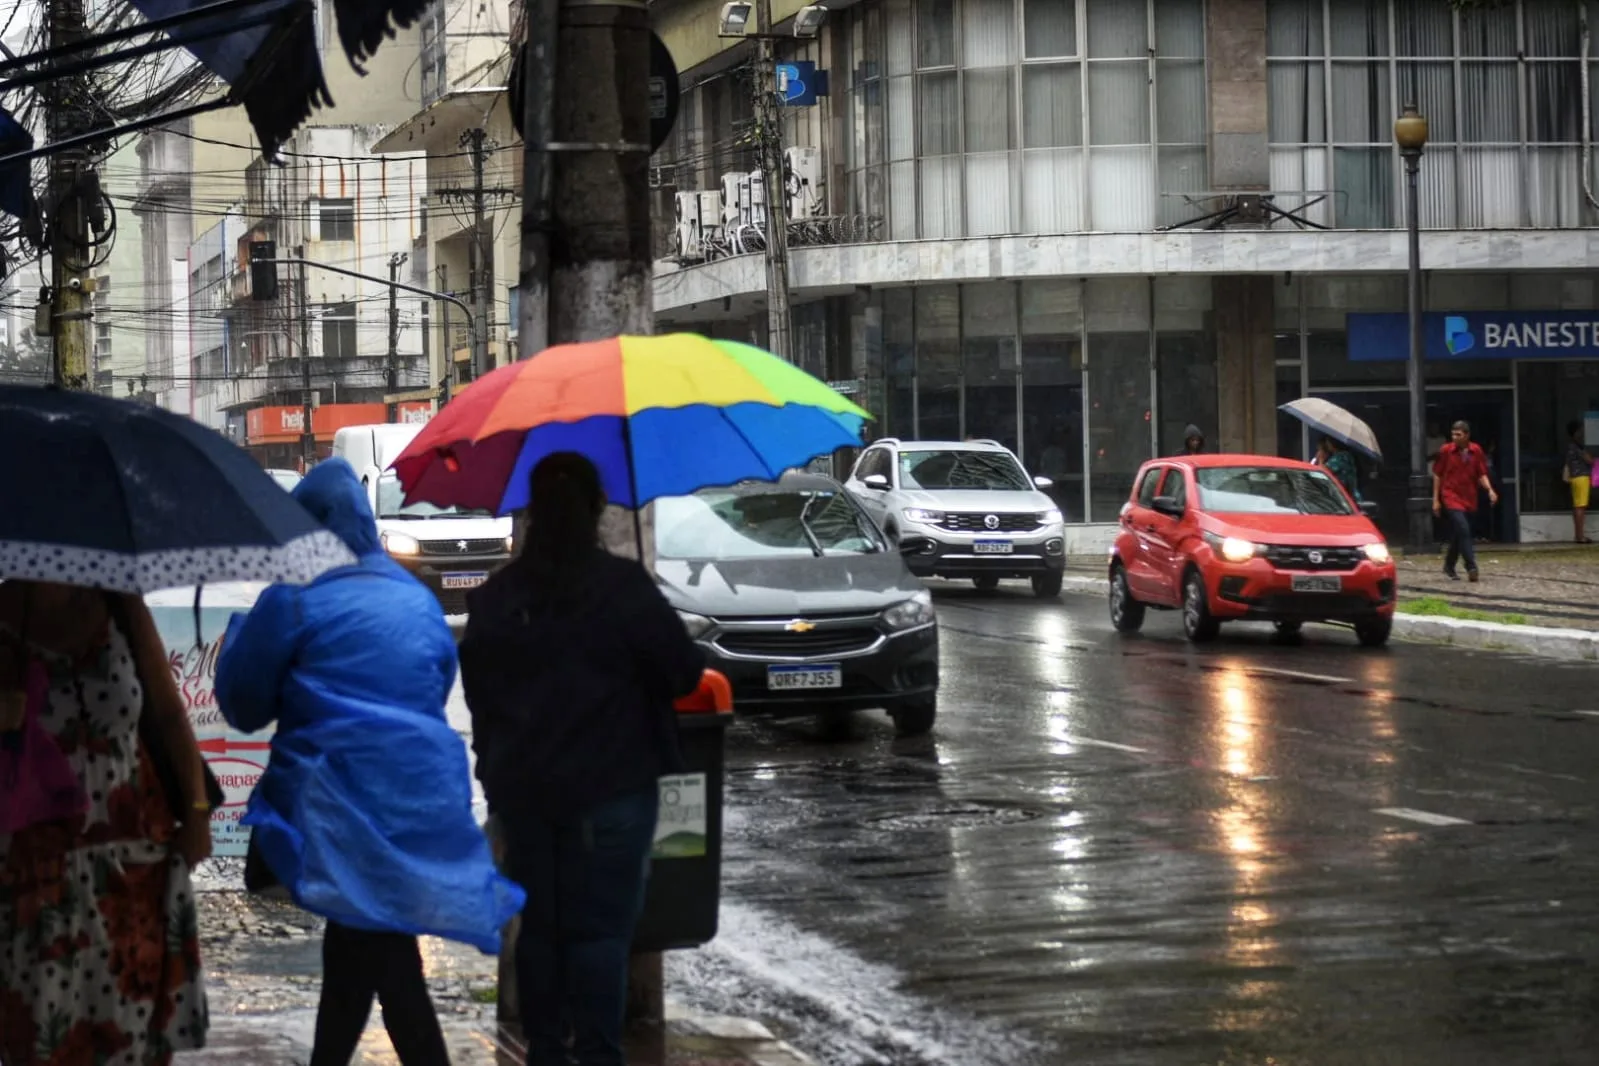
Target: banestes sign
<point>1375,338</point>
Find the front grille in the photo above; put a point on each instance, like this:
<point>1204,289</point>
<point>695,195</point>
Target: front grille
<point>1293,557</point>
<point>1319,605</point>
<point>480,546</point>
<point>817,642</point>
<point>977,522</point>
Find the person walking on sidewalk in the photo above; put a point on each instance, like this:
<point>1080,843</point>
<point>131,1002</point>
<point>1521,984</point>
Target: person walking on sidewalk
<point>571,662</point>
<point>1458,472</point>
<point>364,813</point>
<point>1579,475</point>
<point>99,947</point>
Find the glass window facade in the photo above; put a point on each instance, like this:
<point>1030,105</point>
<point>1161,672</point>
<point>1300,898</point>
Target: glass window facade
<point>1084,379</point>
<point>1500,85</point>
<point>982,117</point>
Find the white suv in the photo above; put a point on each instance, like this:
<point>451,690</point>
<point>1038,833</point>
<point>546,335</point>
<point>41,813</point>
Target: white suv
<point>963,510</point>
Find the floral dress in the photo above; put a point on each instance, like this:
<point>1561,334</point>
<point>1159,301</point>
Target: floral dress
<point>99,948</point>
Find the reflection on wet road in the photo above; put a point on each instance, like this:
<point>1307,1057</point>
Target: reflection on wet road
<point>1121,850</point>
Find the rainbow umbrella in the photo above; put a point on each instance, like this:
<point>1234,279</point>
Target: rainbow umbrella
<point>659,416</point>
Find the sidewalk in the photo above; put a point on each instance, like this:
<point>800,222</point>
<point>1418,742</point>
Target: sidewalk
<point>1543,585</point>
<point>263,974</point>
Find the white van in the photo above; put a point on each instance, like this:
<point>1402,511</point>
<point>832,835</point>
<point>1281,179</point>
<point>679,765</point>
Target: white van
<point>450,550</point>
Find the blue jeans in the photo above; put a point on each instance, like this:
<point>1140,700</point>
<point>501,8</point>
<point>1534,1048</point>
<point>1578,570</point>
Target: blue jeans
<point>1458,524</point>
<point>585,878</point>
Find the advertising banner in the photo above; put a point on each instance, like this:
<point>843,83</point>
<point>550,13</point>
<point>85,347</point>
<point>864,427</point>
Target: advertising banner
<point>237,759</point>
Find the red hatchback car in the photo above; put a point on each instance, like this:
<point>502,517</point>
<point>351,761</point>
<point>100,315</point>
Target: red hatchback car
<point>1248,537</point>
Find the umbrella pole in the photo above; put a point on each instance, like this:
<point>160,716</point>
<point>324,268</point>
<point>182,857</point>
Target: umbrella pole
<point>632,488</point>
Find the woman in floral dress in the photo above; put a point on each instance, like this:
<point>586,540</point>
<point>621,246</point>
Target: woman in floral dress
<point>99,954</point>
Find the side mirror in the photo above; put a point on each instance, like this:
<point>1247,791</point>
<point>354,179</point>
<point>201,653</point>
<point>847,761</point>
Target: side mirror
<point>1368,508</point>
<point>875,481</point>
<point>1044,482</point>
<point>914,545</point>
<point>1167,505</point>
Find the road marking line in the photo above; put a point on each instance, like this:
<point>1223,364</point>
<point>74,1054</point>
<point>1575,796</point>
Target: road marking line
<point>1301,675</point>
<point>1590,714</point>
<point>1091,743</point>
<point>1424,817</point>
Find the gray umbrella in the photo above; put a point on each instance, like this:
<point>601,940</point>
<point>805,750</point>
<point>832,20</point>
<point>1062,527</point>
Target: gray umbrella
<point>1336,423</point>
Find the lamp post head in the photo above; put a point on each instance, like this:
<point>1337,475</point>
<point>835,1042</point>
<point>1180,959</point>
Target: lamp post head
<point>1410,131</point>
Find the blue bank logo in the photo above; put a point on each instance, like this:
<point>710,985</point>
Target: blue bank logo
<point>1457,335</point>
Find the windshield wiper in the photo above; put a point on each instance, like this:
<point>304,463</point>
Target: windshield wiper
<point>805,526</point>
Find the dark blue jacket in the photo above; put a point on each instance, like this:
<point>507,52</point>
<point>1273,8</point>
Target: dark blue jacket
<point>365,810</point>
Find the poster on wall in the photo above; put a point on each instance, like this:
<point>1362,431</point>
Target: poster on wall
<point>237,759</point>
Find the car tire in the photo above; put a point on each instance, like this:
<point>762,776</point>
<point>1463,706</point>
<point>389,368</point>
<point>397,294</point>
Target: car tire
<point>1126,613</point>
<point>1375,632</point>
<point>1198,623</point>
<point>985,584</point>
<point>1048,586</point>
<point>1289,628</point>
<point>914,718</point>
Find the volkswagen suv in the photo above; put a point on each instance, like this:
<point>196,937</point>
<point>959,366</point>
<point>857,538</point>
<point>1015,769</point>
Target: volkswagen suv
<point>970,506</point>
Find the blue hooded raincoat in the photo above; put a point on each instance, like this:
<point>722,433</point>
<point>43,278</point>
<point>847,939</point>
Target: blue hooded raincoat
<point>365,810</point>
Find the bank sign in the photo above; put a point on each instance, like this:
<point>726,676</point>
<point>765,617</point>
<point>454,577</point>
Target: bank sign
<point>1385,338</point>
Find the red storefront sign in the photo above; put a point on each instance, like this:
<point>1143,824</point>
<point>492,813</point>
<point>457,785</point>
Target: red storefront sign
<point>413,413</point>
<point>284,425</point>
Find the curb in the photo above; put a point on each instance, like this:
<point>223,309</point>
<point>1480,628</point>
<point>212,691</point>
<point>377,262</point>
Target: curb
<point>1544,641</point>
<point>745,1037</point>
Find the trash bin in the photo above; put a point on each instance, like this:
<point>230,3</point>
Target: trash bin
<point>685,887</point>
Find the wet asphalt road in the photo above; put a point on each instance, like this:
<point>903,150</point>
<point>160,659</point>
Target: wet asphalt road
<point>1127,850</point>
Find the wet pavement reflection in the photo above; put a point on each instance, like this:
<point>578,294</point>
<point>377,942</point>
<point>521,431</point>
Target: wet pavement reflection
<point>1122,850</point>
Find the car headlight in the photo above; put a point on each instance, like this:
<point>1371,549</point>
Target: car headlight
<point>697,625</point>
<point>924,516</point>
<point>1377,552</point>
<point>1232,549</point>
<point>1050,517</point>
<point>916,611</point>
<point>401,544</point>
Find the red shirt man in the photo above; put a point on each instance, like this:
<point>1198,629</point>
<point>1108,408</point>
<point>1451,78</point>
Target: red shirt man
<point>1459,469</point>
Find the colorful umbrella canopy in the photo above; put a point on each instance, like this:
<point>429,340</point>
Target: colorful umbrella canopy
<point>659,416</point>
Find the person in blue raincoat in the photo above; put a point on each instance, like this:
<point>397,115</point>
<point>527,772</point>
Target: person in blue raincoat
<point>364,813</point>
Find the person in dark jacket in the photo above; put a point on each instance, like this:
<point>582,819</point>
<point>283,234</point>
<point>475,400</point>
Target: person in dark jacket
<point>1193,440</point>
<point>571,663</point>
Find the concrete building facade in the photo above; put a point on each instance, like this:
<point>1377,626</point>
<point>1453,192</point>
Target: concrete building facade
<point>1077,226</point>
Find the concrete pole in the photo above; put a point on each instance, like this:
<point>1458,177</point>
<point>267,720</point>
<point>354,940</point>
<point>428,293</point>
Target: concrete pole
<point>70,249</point>
<point>769,132</point>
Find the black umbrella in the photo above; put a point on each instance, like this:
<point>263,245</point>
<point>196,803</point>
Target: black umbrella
<point>119,495</point>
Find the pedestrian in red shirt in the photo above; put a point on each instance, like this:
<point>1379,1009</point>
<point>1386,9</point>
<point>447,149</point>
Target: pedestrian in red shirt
<point>1456,474</point>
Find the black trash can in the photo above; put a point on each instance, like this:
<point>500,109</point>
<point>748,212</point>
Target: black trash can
<point>685,887</point>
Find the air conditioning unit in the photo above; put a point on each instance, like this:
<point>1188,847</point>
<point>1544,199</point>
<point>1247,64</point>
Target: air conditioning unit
<point>690,228</point>
<point>803,177</point>
<point>710,214</point>
<point>732,198</point>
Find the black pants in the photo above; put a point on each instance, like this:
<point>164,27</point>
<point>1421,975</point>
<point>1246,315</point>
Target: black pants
<point>1458,525</point>
<point>356,965</point>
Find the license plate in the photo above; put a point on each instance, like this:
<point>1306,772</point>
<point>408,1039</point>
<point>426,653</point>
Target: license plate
<point>991,547</point>
<point>799,678</point>
<point>1317,583</point>
<point>463,581</point>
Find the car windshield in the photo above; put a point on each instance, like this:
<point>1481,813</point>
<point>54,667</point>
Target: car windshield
<point>961,469</point>
<point>391,504</point>
<point>779,522</point>
<point>1270,490</point>
<point>286,479</point>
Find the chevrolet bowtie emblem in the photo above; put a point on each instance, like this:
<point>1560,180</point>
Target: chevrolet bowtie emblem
<point>799,625</point>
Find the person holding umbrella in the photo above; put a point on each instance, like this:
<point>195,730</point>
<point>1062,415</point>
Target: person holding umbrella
<point>571,662</point>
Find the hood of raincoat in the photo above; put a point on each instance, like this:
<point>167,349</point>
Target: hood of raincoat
<point>334,496</point>
<point>1189,433</point>
<point>365,810</point>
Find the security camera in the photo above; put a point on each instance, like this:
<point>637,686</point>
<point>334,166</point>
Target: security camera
<point>75,284</point>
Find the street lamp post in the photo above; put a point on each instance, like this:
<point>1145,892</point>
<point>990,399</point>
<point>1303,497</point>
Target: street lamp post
<point>1410,132</point>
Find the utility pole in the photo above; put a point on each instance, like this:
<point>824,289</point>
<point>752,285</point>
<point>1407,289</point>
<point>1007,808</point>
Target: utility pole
<point>395,262</point>
<point>70,247</point>
<point>769,141</point>
<point>482,259</point>
<point>307,431</point>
